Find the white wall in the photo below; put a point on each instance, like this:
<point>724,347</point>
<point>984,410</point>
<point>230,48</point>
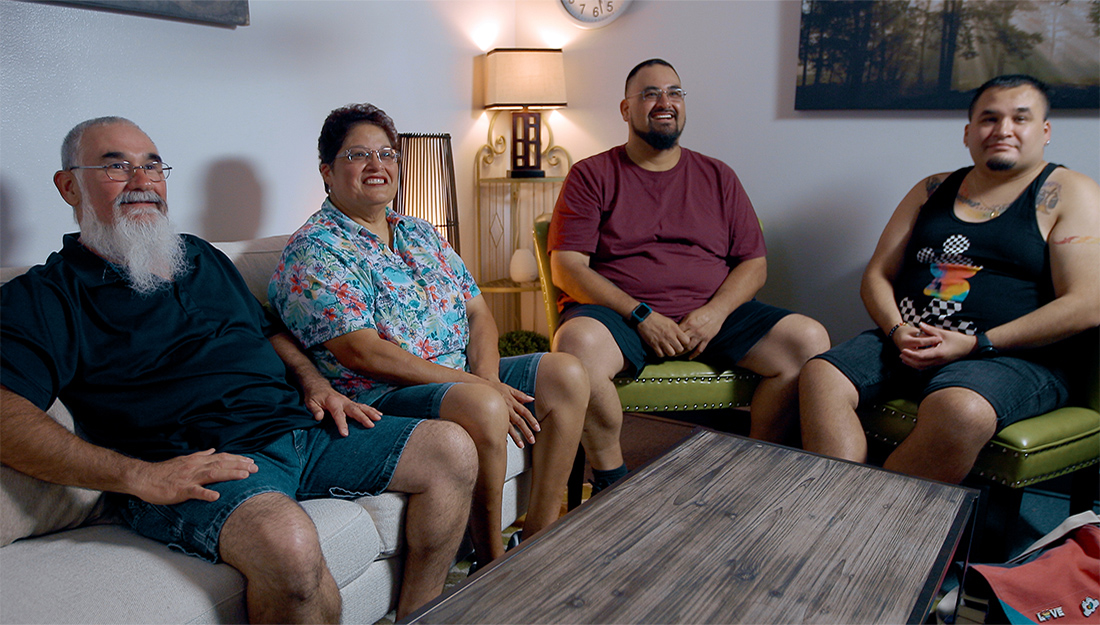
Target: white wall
<point>237,112</point>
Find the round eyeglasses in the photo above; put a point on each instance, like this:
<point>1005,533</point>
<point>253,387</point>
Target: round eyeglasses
<point>123,171</point>
<point>653,94</point>
<point>362,155</point>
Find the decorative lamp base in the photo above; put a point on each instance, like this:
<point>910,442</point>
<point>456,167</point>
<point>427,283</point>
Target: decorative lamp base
<point>526,145</point>
<point>526,173</point>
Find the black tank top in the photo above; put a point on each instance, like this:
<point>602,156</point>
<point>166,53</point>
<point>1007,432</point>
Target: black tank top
<point>970,277</point>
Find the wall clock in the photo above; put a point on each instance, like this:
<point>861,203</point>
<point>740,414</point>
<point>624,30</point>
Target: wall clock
<point>594,13</point>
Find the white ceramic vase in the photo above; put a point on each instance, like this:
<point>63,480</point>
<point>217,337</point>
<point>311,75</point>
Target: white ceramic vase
<point>524,267</point>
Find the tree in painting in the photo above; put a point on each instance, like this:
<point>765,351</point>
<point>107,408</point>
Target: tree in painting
<point>923,54</point>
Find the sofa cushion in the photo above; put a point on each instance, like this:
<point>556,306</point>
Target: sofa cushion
<point>110,574</point>
<point>30,507</point>
<point>256,260</point>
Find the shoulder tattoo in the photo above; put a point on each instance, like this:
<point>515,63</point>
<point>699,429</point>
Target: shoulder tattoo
<point>1048,197</point>
<point>932,183</point>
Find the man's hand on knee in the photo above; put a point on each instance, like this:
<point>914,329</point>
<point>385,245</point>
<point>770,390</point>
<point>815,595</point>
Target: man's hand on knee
<point>184,477</point>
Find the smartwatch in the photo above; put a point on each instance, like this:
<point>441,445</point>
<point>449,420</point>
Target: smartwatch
<point>984,348</point>
<point>639,314</point>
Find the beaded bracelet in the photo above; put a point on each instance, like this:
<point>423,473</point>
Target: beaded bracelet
<point>894,329</point>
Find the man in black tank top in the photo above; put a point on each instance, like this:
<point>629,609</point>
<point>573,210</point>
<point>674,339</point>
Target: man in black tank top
<point>978,280</point>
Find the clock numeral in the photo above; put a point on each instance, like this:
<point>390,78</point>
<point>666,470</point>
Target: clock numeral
<point>601,9</point>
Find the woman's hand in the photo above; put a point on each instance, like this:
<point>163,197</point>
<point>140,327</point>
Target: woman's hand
<point>326,399</point>
<point>524,424</point>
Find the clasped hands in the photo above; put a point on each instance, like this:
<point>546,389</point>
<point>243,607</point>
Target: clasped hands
<point>924,346</point>
<point>691,336</point>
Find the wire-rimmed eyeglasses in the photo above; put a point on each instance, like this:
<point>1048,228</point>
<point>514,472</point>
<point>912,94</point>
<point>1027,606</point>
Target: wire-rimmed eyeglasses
<point>123,171</point>
<point>675,94</point>
<point>362,155</point>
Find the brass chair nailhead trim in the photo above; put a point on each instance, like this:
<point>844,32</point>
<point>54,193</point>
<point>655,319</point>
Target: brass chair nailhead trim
<point>991,446</point>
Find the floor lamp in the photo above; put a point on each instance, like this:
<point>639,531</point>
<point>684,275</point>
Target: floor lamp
<point>427,183</point>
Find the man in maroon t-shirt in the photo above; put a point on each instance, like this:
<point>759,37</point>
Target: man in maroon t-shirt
<point>659,254</point>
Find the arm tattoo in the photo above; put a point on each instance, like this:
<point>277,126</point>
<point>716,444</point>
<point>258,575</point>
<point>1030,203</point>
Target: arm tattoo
<point>1048,198</point>
<point>1076,239</point>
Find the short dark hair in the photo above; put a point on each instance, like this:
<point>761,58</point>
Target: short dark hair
<point>340,122</point>
<point>1011,81</point>
<point>644,64</point>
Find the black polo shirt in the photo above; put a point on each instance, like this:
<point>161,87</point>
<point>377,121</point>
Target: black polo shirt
<point>185,369</point>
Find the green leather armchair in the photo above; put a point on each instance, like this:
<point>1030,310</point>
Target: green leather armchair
<point>668,387</point>
<point>1064,441</point>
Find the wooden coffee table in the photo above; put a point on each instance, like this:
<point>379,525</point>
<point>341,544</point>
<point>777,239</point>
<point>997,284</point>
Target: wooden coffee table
<point>724,529</point>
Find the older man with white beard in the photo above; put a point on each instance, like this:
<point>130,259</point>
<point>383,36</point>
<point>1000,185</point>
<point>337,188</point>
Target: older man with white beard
<point>178,383</point>
<point>143,241</point>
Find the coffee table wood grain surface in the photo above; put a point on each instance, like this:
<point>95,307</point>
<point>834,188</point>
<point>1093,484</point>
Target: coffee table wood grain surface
<point>724,529</point>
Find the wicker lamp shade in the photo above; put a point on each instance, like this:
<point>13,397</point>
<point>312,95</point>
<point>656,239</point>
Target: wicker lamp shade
<point>427,183</point>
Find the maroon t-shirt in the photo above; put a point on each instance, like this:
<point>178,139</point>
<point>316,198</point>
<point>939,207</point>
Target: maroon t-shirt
<point>667,238</point>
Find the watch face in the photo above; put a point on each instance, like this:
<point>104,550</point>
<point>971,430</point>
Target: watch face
<point>594,13</point>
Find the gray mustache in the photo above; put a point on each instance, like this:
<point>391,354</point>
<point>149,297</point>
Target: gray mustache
<point>127,197</point>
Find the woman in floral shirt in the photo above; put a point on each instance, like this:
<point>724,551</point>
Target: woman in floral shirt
<point>391,316</point>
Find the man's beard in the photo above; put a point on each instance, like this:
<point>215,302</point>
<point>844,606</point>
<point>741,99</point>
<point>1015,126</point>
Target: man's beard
<point>658,140</point>
<point>999,164</point>
<point>148,252</point>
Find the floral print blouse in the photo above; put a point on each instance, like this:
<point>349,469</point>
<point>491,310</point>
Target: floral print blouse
<point>336,277</point>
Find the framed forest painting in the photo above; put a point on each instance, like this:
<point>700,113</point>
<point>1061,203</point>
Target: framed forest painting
<point>931,54</point>
<point>229,13</point>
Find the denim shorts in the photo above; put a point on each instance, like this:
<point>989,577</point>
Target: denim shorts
<point>423,400</point>
<point>312,463</point>
<point>1016,388</point>
<point>741,330</point>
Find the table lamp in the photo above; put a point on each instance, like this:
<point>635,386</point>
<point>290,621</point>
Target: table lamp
<point>525,80</point>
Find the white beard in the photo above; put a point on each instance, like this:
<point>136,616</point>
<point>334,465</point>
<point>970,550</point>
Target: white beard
<point>149,253</point>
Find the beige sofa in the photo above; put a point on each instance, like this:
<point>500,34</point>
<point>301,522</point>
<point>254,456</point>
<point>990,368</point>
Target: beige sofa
<point>65,559</point>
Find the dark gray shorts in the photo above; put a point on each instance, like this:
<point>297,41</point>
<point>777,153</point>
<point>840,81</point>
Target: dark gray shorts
<point>740,332</point>
<point>1016,388</point>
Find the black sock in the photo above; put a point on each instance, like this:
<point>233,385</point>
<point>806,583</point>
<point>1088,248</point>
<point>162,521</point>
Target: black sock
<point>603,479</point>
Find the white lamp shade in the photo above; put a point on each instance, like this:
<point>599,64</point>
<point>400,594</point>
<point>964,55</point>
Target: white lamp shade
<point>524,77</point>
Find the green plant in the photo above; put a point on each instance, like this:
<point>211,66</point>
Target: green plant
<point>519,342</point>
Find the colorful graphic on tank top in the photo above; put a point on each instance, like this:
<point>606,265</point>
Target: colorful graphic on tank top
<point>950,285</point>
<point>950,271</point>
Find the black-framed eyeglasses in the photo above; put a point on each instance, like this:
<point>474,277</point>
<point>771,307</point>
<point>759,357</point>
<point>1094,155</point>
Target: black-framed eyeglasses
<point>653,94</point>
<point>123,171</point>
<point>361,155</point>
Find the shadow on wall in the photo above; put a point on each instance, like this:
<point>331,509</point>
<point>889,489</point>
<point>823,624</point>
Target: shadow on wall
<point>9,229</point>
<point>803,276</point>
<point>234,201</point>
